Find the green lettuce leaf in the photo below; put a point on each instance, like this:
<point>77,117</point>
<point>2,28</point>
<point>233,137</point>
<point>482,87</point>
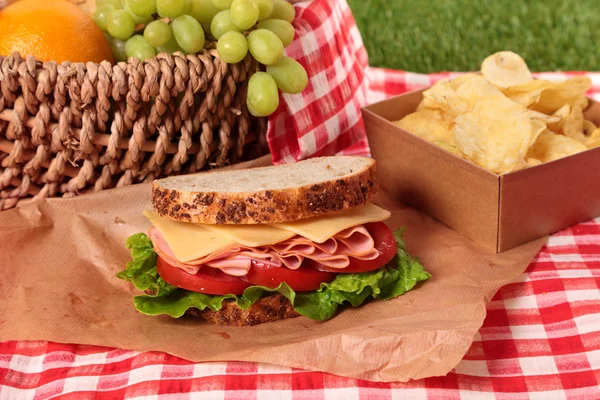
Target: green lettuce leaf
<point>141,270</point>
<point>394,279</point>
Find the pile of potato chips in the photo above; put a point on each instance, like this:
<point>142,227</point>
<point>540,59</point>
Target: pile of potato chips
<point>504,120</point>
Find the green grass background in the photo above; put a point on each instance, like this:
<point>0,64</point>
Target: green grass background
<point>456,35</point>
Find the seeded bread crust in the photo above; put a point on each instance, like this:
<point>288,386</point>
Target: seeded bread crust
<point>266,206</point>
<point>267,309</point>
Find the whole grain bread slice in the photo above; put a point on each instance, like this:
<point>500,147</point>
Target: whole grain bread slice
<point>269,194</point>
<point>266,309</point>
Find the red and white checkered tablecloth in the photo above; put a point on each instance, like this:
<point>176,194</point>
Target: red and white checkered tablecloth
<point>540,340</point>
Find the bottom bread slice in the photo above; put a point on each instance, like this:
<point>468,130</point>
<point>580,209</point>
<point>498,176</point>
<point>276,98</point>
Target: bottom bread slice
<point>266,309</point>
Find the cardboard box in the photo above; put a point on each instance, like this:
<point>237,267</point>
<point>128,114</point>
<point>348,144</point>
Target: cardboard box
<point>499,212</point>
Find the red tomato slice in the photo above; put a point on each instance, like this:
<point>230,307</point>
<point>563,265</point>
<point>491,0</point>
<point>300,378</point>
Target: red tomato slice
<point>209,280</point>
<point>384,242</point>
<point>301,280</point>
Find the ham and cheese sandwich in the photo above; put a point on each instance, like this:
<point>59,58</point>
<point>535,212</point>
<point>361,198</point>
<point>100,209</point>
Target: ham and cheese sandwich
<point>252,246</point>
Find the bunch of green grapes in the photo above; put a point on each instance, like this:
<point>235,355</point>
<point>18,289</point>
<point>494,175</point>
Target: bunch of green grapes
<point>143,28</point>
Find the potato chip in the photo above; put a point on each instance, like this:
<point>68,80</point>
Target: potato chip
<point>562,114</point>
<point>532,162</point>
<point>444,116</point>
<point>496,134</point>
<point>451,148</point>
<point>458,81</point>
<point>428,124</point>
<point>457,96</point>
<point>594,139</point>
<point>524,164</point>
<point>527,93</point>
<point>470,92</point>
<point>548,119</point>
<point>436,97</point>
<point>537,127</point>
<point>573,125</point>
<point>521,164</point>
<point>572,92</point>
<point>550,146</point>
<point>547,97</point>
<point>505,69</point>
<point>589,127</point>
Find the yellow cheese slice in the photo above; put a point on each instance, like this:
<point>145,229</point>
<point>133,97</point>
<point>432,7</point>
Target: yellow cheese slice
<point>251,235</point>
<point>188,241</point>
<point>319,229</point>
<point>192,241</point>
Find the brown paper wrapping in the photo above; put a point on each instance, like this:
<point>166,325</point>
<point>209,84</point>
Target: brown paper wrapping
<point>59,258</point>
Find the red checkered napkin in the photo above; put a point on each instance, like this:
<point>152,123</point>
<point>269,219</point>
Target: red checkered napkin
<point>326,118</point>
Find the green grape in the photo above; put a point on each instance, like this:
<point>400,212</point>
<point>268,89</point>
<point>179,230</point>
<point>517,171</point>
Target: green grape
<point>221,23</point>
<point>120,24</point>
<point>142,8</point>
<point>115,3</point>
<point>265,46</point>
<point>157,33</point>
<point>222,4</point>
<point>265,8</point>
<point>189,33</point>
<point>203,10</point>
<point>136,18</point>
<point>170,47</point>
<point>172,8</point>
<point>188,7</point>
<point>118,48</point>
<point>232,47</point>
<point>134,41</point>
<point>139,48</point>
<point>283,10</point>
<point>283,29</point>
<point>289,75</point>
<point>263,97</point>
<point>100,16</point>
<point>244,13</point>
<point>251,109</point>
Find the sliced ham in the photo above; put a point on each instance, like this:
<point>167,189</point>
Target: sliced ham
<point>240,263</point>
<point>302,245</point>
<point>335,252</point>
<point>236,265</point>
<point>356,242</point>
<point>291,261</point>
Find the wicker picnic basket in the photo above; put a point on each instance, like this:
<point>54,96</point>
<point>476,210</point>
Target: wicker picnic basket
<point>67,129</point>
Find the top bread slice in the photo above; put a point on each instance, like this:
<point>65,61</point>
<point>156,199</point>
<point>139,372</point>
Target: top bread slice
<point>269,194</point>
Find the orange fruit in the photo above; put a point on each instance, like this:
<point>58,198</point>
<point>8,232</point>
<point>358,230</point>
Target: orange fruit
<point>52,30</point>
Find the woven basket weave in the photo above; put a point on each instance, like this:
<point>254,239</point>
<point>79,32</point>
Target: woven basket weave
<point>66,129</point>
